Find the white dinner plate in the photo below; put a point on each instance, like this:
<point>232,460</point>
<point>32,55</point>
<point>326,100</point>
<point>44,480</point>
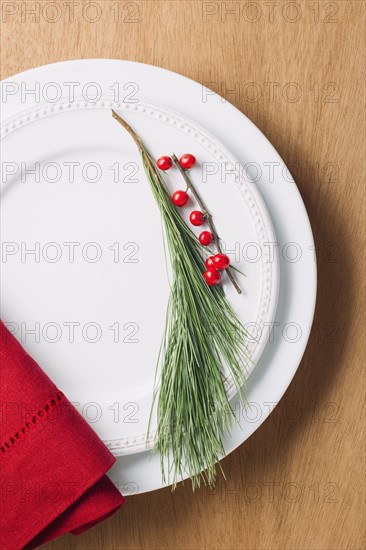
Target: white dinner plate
<point>84,280</point>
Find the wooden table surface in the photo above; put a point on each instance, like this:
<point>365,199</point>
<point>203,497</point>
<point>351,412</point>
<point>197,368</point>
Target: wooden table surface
<point>297,70</point>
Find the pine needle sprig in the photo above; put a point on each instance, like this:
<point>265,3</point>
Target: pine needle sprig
<point>202,336</point>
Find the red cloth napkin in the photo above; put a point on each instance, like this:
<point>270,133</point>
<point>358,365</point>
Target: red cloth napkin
<point>52,464</point>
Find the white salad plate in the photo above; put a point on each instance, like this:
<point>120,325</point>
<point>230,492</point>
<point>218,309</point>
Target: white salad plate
<point>85,282</point>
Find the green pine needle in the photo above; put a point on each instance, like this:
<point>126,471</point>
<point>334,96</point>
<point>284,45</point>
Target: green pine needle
<point>202,334</point>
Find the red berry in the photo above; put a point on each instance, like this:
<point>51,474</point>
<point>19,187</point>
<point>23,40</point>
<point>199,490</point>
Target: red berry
<point>209,262</point>
<point>197,218</point>
<point>187,161</point>
<point>180,198</point>
<point>212,276</point>
<point>205,238</point>
<point>164,163</point>
<point>221,261</point>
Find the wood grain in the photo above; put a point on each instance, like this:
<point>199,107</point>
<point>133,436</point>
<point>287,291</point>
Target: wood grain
<point>298,482</point>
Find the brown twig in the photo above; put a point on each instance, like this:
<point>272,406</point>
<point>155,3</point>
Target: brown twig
<point>206,214</point>
<point>136,139</point>
<point>127,127</point>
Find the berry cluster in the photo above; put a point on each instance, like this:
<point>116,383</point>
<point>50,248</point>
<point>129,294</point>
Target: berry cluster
<point>180,198</point>
<point>186,161</point>
<point>214,265</point>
